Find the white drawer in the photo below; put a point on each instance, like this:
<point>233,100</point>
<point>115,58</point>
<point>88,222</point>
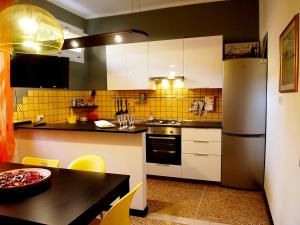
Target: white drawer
<point>163,170</point>
<point>200,134</point>
<point>201,147</point>
<point>201,167</point>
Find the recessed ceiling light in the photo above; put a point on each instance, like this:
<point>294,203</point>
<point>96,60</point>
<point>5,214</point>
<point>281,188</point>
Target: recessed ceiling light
<point>164,84</point>
<point>172,75</point>
<point>178,83</point>
<point>118,38</point>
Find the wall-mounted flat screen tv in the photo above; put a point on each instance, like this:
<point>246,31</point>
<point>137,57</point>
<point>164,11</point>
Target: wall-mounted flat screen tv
<point>39,71</point>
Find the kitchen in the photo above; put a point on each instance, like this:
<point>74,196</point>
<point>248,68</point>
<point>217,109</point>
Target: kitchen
<point>173,101</point>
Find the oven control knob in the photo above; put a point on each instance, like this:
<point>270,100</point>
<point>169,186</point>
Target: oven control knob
<point>171,132</point>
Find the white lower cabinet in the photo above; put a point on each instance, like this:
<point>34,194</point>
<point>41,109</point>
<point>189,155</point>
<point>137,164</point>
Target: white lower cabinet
<point>201,166</point>
<point>200,156</point>
<point>163,170</point>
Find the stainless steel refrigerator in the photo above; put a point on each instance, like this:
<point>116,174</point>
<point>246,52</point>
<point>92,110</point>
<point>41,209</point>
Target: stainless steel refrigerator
<point>244,123</point>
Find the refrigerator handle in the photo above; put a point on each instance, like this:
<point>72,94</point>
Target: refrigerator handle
<point>245,135</point>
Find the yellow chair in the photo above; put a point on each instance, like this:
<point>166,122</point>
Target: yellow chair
<point>40,162</point>
<point>119,212</point>
<point>91,163</point>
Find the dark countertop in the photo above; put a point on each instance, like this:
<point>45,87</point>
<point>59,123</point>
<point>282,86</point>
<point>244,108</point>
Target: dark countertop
<point>82,126</point>
<point>140,127</point>
<point>191,124</point>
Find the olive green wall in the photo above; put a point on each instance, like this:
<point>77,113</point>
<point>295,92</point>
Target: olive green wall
<point>236,20</point>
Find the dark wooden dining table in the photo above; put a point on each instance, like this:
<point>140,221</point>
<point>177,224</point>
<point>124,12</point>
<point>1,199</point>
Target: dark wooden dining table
<point>67,197</point>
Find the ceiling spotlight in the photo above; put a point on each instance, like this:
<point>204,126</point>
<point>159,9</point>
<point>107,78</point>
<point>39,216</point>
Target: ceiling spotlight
<point>118,38</point>
<point>75,44</point>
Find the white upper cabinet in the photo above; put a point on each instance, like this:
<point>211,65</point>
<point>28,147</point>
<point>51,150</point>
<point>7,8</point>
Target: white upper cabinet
<point>166,58</point>
<point>203,62</point>
<point>127,67</point>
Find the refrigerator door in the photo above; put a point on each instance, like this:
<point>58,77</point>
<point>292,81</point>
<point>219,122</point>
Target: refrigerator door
<point>244,96</point>
<point>243,161</point>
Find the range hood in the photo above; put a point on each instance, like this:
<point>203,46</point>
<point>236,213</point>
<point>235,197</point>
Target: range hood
<point>166,78</point>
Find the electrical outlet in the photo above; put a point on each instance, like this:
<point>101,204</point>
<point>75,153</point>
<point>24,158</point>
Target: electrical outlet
<point>280,100</point>
<point>39,118</point>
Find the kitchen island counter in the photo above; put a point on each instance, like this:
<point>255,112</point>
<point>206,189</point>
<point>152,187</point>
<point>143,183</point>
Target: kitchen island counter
<point>123,151</point>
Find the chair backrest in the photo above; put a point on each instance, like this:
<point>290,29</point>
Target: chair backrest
<point>40,162</point>
<point>91,163</point>
<point>119,213</point>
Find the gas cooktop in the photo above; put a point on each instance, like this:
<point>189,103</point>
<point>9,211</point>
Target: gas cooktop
<point>164,122</point>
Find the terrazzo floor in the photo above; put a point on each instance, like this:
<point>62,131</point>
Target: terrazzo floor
<point>177,202</point>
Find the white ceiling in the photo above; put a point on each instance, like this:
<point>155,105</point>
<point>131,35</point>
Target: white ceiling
<point>100,8</point>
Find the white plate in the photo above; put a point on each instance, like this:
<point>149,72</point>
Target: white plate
<point>44,172</point>
<point>104,124</point>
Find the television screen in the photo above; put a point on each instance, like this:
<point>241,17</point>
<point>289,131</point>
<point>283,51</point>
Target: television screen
<point>39,71</point>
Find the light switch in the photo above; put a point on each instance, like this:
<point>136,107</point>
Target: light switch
<point>280,99</point>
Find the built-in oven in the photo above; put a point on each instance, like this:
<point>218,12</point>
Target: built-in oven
<point>163,145</point>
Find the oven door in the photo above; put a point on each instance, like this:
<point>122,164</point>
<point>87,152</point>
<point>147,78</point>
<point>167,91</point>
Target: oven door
<point>164,149</point>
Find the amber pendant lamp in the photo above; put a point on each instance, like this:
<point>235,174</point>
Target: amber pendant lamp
<point>29,29</point>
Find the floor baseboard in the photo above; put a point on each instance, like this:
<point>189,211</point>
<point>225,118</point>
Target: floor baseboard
<point>268,209</point>
<point>139,213</point>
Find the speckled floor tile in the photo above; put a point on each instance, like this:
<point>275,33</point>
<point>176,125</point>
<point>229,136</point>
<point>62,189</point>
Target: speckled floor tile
<point>174,198</point>
<point>201,204</point>
<point>231,206</point>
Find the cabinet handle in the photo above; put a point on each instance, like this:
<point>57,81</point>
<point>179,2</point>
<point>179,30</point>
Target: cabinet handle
<point>195,154</point>
<point>171,152</point>
<point>163,138</point>
<point>201,141</point>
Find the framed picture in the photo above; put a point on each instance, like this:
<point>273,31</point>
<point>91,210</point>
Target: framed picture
<point>241,50</point>
<point>264,51</point>
<point>289,57</point>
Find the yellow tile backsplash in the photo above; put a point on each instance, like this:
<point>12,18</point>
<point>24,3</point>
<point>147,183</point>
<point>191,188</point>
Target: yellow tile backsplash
<point>172,103</point>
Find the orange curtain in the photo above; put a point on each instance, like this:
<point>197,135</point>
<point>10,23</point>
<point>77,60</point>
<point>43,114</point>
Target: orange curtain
<point>7,140</point>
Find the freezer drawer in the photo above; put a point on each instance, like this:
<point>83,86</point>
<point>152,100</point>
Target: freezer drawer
<point>243,161</point>
<point>201,167</point>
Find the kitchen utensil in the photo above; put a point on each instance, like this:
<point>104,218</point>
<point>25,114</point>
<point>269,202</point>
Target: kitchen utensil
<point>121,112</point>
<point>116,109</point>
<point>126,104</point>
<point>118,104</point>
